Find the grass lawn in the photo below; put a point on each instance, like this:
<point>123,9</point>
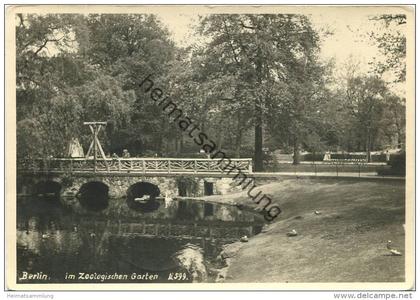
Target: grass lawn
<point>345,243</point>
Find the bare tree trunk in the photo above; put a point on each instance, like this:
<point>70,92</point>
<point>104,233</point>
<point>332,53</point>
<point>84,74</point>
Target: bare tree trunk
<point>238,140</point>
<point>296,155</point>
<point>258,136</point>
<point>258,154</point>
<point>176,146</point>
<point>181,143</point>
<point>368,145</point>
<point>238,144</point>
<point>399,140</point>
<point>219,138</point>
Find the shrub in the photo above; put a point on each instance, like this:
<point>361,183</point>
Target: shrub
<point>247,152</point>
<point>378,158</point>
<point>192,186</point>
<point>312,157</point>
<point>270,162</point>
<point>192,155</point>
<point>149,153</point>
<point>347,156</point>
<point>397,165</point>
<point>185,155</point>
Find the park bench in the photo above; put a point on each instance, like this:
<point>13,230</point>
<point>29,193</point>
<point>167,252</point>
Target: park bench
<point>347,161</point>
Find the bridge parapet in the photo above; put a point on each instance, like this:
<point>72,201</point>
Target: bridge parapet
<point>134,165</point>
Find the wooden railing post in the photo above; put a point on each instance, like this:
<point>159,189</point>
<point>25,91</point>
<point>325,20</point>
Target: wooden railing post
<point>250,166</point>
<point>144,227</point>
<point>169,166</point>
<point>144,166</point>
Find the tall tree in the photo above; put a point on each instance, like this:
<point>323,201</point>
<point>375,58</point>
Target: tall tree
<point>73,68</point>
<point>366,98</point>
<point>260,53</point>
<point>130,47</point>
<point>46,65</point>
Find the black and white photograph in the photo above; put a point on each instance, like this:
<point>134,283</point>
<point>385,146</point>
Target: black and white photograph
<point>217,147</point>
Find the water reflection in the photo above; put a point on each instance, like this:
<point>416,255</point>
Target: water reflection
<point>171,241</point>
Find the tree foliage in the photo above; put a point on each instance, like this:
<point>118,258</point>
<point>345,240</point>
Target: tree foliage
<point>74,68</point>
<point>392,43</point>
<point>255,81</point>
<point>264,64</point>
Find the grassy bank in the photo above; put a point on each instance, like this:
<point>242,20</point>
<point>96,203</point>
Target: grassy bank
<point>345,243</point>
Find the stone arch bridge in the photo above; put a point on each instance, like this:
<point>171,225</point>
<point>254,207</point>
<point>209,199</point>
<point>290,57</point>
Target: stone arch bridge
<point>172,177</point>
<point>104,190</point>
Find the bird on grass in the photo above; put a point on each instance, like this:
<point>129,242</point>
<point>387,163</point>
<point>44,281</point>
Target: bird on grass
<point>244,239</point>
<point>392,251</point>
<point>292,233</point>
<point>317,212</point>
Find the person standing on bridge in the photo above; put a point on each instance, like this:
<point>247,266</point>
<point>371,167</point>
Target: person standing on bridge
<point>126,154</point>
<point>387,156</point>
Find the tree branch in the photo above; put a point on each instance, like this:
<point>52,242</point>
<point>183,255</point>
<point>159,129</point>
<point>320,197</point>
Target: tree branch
<point>230,42</point>
<point>21,21</point>
<point>45,44</point>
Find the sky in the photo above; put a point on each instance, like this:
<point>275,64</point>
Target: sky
<point>347,39</point>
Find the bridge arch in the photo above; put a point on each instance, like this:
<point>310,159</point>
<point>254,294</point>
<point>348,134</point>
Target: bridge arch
<point>47,190</point>
<point>141,196</point>
<point>94,195</point>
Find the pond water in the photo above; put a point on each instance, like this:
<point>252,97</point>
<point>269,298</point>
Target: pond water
<point>157,241</point>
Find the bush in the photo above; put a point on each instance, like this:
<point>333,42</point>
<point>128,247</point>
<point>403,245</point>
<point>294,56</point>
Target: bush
<point>270,162</point>
<point>347,156</point>
<point>149,153</point>
<point>378,158</point>
<point>312,157</point>
<point>396,165</point>
<point>186,155</point>
<point>191,185</point>
<point>246,152</point>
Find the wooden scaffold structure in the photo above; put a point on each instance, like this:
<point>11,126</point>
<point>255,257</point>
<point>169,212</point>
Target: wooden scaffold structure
<point>95,145</point>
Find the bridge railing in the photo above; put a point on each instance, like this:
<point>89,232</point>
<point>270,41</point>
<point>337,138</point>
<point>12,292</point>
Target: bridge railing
<point>135,165</point>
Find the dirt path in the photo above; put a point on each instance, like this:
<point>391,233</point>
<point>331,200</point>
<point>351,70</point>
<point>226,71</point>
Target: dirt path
<point>345,243</point>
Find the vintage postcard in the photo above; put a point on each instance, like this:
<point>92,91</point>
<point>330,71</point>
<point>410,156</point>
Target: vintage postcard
<point>208,147</point>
